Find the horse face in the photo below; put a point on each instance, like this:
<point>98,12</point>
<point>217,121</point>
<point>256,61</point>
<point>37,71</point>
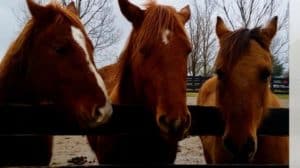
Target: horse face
<point>61,67</point>
<point>163,71</point>
<point>159,63</point>
<point>242,89</point>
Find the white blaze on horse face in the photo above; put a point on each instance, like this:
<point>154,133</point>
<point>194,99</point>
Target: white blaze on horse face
<point>80,39</point>
<point>106,110</point>
<point>165,36</point>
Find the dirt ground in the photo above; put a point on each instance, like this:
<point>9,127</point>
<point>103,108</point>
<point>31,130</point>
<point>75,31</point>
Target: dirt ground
<point>67,148</point>
<point>74,151</point>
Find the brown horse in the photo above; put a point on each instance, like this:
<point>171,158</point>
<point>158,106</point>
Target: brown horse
<point>241,92</point>
<point>151,71</point>
<point>51,61</point>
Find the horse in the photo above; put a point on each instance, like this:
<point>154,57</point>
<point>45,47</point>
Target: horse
<point>151,71</point>
<point>240,89</point>
<point>51,62</point>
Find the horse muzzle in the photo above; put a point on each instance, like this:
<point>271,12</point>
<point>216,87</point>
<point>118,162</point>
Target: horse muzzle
<point>243,154</point>
<point>101,115</point>
<point>175,129</point>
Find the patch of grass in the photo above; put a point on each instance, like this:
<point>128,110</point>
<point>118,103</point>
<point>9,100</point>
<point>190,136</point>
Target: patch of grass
<point>283,96</point>
<point>194,94</point>
<point>191,94</point>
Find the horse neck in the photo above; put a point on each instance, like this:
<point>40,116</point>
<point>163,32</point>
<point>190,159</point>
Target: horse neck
<point>127,93</point>
<point>13,84</point>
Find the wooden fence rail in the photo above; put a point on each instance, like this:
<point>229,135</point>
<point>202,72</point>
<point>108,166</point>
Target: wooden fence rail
<point>33,120</point>
<point>49,120</point>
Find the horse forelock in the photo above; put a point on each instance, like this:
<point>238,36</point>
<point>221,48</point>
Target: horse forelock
<point>158,19</point>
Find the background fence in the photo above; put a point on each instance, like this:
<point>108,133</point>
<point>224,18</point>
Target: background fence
<point>279,85</point>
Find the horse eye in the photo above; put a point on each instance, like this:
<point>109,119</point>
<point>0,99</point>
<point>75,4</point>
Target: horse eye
<point>189,50</point>
<point>264,75</point>
<point>220,74</point>
<point>61,50</point>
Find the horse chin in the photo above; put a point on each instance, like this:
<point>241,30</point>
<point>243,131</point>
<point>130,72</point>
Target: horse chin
<point>242,159</point>
<point>94,124</point>
<point>173,138</point>
<point>85,122</point>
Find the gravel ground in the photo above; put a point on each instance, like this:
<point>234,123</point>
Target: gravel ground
<point>67,149</point>
<point>74,151</point>
<point>190,151</point>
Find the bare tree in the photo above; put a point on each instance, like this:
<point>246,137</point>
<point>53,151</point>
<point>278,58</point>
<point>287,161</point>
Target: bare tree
<point>98,20</point>
<point>253,13</point>
<point>201,31</point>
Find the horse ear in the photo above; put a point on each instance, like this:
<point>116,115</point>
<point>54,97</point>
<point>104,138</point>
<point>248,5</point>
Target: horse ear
<point>71,7</point>
<point>37,11</point>
<point>270,29</point>
<point>185,12</point>
<point>221,28</point>
<point>132,13</point>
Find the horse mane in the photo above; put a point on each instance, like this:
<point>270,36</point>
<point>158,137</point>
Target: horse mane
<point>18,46</point>
<point>236,44</point>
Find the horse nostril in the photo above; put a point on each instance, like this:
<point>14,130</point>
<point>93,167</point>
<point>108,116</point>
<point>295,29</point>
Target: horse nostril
<point>97,113</point>
<point>163,123</point>
<point>230,146</point>
<point>167,125</point>
<point>187,122</point>
<point>249,147</point>
<point>241,153</point>
<point>103,114</point>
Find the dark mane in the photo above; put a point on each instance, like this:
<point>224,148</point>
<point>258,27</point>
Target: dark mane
<point>236,44</point>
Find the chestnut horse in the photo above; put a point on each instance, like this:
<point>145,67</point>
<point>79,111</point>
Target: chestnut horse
<point>51,61</point>
<point>151,71</point>
<point>241,91</point>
